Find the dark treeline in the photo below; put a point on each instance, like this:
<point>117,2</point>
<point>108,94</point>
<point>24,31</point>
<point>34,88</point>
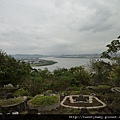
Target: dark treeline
<point>36,81</point>
<point>32,81</point>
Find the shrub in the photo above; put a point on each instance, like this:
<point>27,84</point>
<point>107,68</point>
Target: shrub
<point>39,100</point>
<point>21,92</point>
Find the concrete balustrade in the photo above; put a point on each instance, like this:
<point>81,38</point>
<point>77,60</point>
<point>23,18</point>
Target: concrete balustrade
<point>90,101</point>
<point>116,90</point>
<point>46,108</point>
<point>14,107</point>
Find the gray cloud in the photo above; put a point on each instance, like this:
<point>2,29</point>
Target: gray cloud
<point>58,26</point>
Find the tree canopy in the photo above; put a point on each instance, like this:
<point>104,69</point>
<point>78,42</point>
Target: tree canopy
<point>113,48</point>
<point>11,70</point>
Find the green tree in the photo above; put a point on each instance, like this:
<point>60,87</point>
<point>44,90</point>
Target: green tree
<point>113,54</point>
<point>100,71</point>
<point>32,86</point>
<point>81,75</point>
<point>11,70</point>
<point>113,48</point>
<point>115,76</point>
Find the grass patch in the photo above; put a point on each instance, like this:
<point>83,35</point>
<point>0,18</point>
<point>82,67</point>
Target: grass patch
<point>103,87</point>
<point>11,101</point>
<point>99,87</point>
<point>39,100</point>
<point>21,92</point>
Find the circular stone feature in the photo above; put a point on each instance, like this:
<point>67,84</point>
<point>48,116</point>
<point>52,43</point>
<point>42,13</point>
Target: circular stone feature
<point>43,103</point>
<point>91,102</point>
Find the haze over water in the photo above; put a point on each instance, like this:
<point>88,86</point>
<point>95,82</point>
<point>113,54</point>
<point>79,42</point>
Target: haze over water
<point>65,63</point>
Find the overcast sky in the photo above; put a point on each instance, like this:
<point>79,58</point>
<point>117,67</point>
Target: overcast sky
<point>58,26</point>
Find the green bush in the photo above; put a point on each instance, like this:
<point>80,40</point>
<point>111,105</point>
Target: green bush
<point>21,92</point>
<point>39,100</point>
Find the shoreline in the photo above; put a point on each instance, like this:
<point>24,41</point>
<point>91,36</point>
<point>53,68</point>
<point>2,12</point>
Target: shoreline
<point>44,64</point>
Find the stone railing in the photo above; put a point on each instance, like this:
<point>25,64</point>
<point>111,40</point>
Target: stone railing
<point>45,108</point>
<point>14,107</point>
<point>5,90</point>
<point>75,107</point>
<point>116,90</point>
<point>9,88</point>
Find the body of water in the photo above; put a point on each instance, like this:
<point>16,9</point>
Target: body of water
<point>64,63</point>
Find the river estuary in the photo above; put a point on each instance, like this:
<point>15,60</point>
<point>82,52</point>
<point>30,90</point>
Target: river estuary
<point>65,63</point>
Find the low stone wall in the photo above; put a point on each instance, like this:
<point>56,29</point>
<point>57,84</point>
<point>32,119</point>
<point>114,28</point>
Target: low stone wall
<point>93,107</point>
<point>15,107</point>
<point>46,108</point>
<point>4,91</point>
<point>116,90</point>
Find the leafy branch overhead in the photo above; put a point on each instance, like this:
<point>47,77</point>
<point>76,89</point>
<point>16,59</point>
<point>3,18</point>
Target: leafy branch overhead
<point>113,48</point>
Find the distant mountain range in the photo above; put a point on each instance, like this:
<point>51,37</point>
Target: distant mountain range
<point>27,56</point>
<point>80,56</point>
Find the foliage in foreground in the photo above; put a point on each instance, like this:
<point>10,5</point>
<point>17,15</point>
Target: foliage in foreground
<point>21,92</point>
<point>11,70</point>
<point>39,100</point>
<point>37,81</point>
<point>11,101</point>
